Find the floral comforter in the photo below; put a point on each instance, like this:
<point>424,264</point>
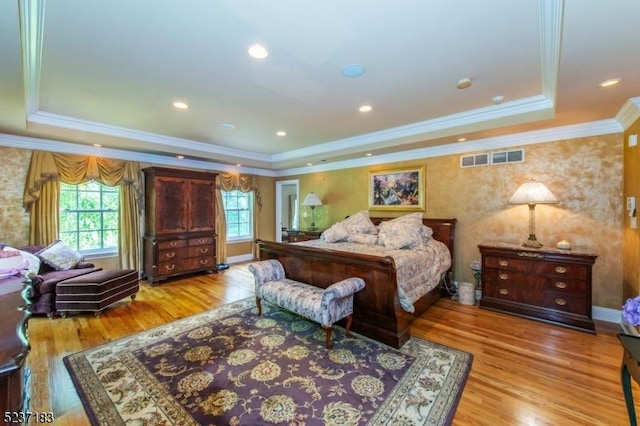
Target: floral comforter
<point>418,270</point>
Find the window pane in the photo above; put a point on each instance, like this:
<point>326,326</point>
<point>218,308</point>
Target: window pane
<point>89,215</point>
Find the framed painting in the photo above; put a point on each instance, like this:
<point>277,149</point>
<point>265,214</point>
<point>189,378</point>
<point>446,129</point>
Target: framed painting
<point>398,189</point>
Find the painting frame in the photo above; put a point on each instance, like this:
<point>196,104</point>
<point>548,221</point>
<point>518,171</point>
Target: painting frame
<point>408,192</point>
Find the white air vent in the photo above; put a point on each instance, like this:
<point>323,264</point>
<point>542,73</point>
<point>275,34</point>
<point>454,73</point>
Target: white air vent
<point>486,159</point>
<point>474,160</point>
<point>515,156</point>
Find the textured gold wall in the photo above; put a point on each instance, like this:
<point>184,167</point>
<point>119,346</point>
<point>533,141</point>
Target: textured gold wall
<point>631,252</point>
<point>14,221</point>
<point>585,175</point>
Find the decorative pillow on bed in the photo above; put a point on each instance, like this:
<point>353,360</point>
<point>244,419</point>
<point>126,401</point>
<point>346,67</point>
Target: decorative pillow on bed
<point>360,223</point>
<point>337,232</point>
<point>32,262</point>
<point>363,238</point>
<point>399,235</point>
<point>59,256</point>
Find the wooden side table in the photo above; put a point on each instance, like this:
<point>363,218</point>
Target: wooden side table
<point>630,368</point>
<point>298,235</point>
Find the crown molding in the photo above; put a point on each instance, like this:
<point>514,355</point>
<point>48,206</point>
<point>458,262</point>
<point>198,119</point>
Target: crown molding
<point>589,129</point>
<point>428,129</point>
<point>24,142</point>
<point>57,120</point>
<point>551,24</point>
<point>629,113</point>
<point>31,34</point>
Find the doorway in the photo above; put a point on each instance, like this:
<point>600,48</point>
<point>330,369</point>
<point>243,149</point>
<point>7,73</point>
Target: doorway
<point>287,207</point>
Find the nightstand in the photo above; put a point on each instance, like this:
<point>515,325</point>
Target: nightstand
<point>297,235</point>
<point>545,284</point>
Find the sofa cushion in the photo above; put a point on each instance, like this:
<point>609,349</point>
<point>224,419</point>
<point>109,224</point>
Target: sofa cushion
<point>60,256</point>
<point>51,279</point>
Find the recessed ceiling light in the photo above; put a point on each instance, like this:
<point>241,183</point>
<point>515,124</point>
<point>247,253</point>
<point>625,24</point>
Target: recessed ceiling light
<point>463,83</point>
<point>368,154</point>
<point>462,139</point>
<point>610,82</point>
<point>227,126</point>
<point>281,133</point>
<point>180,105</point>
<point>497,99</point>
<point>353,70</point>
<point>258,51</point>
<point>97,145</point>
<point>239,165</point>
<point>365,108</point>
<point>179,157</point>
<point>309,164</point>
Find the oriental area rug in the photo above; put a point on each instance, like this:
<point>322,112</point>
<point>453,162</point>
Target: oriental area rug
<point>229,366</point>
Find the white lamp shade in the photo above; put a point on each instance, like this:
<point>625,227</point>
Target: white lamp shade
<point>533,192</point>
<point>312,200</point>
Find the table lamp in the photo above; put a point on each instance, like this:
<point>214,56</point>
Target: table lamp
<point>532,193</point>
<point>312,200</point>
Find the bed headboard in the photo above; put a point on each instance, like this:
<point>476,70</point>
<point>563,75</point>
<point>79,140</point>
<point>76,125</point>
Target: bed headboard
<point>443,231</point>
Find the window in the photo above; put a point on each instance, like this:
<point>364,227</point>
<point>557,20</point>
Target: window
<point>89,217</point>
<point>238,210</point>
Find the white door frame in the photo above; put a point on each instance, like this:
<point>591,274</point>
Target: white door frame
<point>279,185</point>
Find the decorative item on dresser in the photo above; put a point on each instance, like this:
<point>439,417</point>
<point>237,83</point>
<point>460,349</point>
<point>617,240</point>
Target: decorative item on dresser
<point>180,222</point>
<point>548,285</point>
<point>297,235</point>
<point>312,200</point>
<point>14,374</point>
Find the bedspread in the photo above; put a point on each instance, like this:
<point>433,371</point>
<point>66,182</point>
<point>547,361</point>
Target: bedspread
<point>418,271</point>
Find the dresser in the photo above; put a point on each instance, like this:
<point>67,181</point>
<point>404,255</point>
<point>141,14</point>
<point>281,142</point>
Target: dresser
<point>14,374</point>
<point>546,284</point>
<point>297,235</point>
<point>180,223</point>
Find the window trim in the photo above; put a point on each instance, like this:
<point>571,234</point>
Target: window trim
<point>242,238</point>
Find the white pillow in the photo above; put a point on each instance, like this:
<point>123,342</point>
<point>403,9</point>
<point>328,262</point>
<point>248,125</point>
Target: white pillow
<point>32,262</point>
<point>337,232</point>
<point>59,256</point>
<point>360,223</point>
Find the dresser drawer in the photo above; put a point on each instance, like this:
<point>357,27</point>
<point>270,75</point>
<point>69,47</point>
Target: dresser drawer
<point>561,269</point>
<point>201,241</point>
<point>198,251</point>
<point>171,244</point>
<point>172,254</point>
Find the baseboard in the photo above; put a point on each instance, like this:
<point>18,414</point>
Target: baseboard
<point>241,258</point>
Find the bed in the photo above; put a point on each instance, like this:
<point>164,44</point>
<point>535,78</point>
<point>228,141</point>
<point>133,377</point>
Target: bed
<point>378,312</point>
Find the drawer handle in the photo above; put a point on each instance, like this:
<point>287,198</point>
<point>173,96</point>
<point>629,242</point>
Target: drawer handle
<point>204,261</point>
<point>204,250</point>
<point>170,267</point>
<point>170,255</point>
<point>560,284</point>
<point>504,276</point>
<point>528,254</point>
<point>201,240</point>
<point>561,269</point>
<point>504,263</point>
<point>560,302</point>
<point>173,243</point>
<point>503,291</point>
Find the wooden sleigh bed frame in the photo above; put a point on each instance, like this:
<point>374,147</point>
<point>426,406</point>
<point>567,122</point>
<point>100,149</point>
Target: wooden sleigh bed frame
<point>377,312</point>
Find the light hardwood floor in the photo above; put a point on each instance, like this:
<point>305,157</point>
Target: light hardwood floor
<point>524,372</point>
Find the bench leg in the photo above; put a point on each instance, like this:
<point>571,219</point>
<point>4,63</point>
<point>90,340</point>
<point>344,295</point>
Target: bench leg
<point>348,328</point>
<point>327,340</point>
<point>259,305</point>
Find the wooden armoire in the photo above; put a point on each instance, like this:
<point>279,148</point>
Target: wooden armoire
<point>180,218</point>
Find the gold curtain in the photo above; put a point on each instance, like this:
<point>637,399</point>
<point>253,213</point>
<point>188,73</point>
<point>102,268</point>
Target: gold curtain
<point>229,182</point>
<point>42,189</point>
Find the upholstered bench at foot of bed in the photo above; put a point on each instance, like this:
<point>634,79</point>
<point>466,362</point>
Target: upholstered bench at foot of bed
<point>96,291</point>
<point>324,306</point>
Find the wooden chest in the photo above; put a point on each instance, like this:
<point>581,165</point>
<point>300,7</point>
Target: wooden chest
<point>543,284</point>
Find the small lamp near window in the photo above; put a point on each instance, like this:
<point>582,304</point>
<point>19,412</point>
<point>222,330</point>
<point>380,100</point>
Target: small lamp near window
<point>312,200</point>
<point>532,193</point>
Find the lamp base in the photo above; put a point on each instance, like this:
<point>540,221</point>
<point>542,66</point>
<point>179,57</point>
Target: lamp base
<point>532,242</point>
